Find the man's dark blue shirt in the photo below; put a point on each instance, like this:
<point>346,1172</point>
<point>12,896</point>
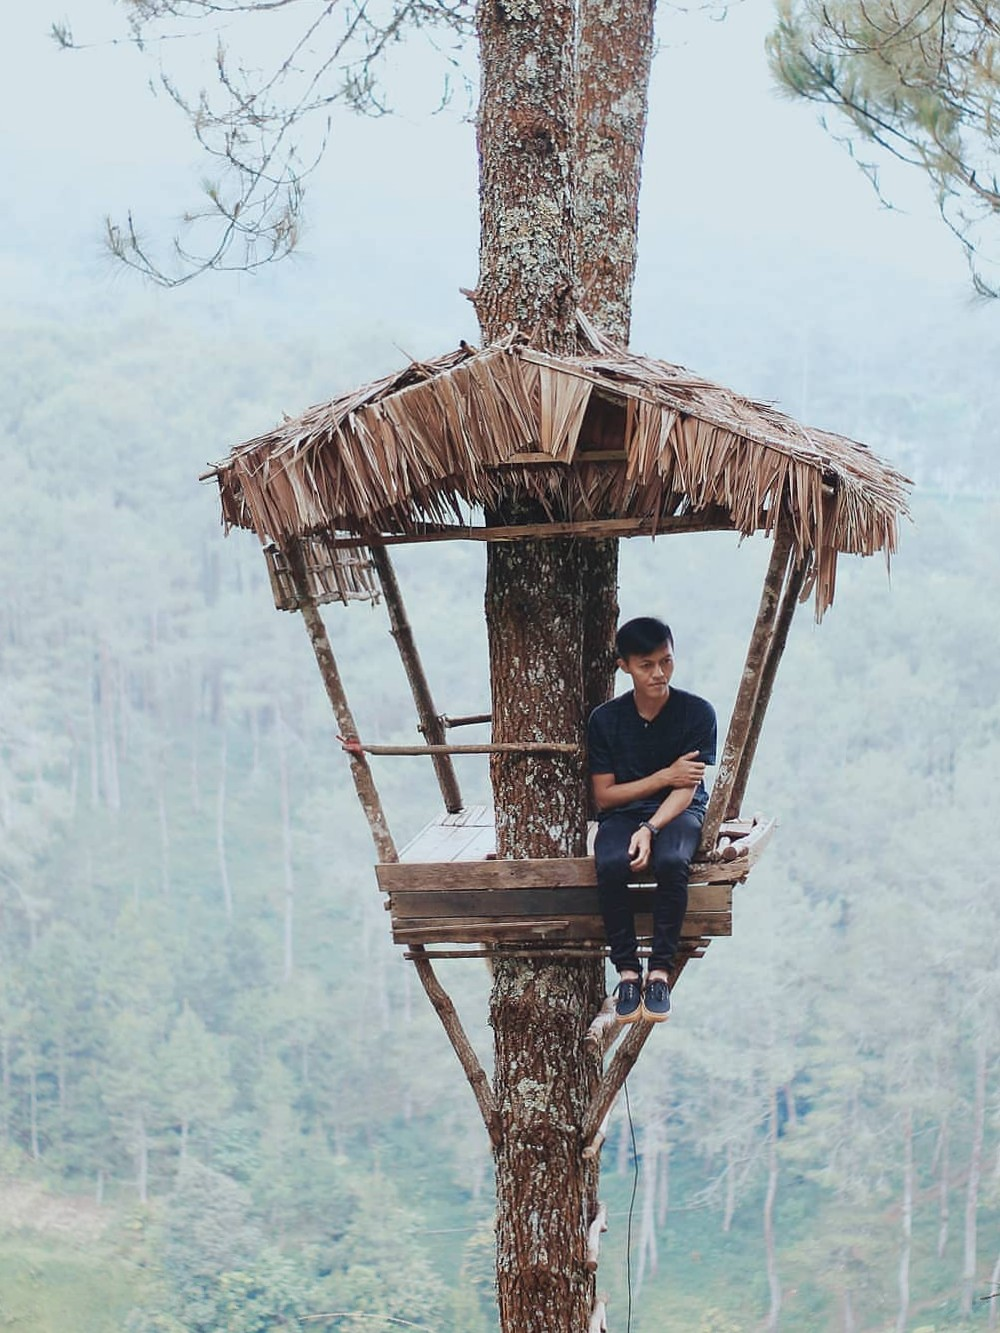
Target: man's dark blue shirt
<point>622,742</point>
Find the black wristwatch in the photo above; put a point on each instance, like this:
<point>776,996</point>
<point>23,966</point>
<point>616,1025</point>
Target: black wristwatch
<point>644,823</point>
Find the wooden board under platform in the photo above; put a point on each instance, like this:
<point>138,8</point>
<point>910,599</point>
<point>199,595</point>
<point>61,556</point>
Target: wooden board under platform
<point>450,888</point>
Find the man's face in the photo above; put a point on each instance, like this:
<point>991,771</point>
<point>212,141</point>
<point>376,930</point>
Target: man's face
<point>650,672</point>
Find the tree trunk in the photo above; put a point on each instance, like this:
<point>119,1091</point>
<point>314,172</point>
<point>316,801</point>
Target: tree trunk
<point>142,1158</point>
<point>773,1281</point>
<point>994,1298</point>
<point>546,1191</point>
<point>5,1086</point>
<point>944,1182</point>
<point>220,832</point>
<point>33,1106</point>
<point>161,806</point>
<point>663,1180</point>
<point>286,851</point>
<point>972,1189</point>
<point>648,1251</point>
<point>729,1209</point>
<point>907,1223</point>
<point>550,606</point>
<point>615,53</point>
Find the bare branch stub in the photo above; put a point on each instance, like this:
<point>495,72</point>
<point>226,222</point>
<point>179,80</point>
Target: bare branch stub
<point>265,120</point>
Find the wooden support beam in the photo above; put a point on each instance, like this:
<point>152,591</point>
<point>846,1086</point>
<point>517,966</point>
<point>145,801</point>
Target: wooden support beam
<point>594,1232</point>
<point>600,528</point>
<point>498,747</point>
<point>522,930</point>
<point>614,1076</point>
<point>789,602</point>
<point>431,723</point>
<point>468,1059</point>
<point>746,695</point>
<point>364,783</point>
<point>621,1065</point>
<point>385,848</point>
<point>710,885</point>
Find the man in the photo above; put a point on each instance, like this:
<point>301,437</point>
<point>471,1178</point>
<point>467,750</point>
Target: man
<point>647,754</point>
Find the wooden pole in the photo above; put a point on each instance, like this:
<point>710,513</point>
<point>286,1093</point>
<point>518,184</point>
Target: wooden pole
<point>430,721</point>
<point>789,602</point>
<point>746,695</point>
<point>497,747</point>
<point>614,1076</point>
<point>364,783</point>
<point>620,1067</point>
<point>461,1045</point>
<point>471,720</point>
<point>384,846</point>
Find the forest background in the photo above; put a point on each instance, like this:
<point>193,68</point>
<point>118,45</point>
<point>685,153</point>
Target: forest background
<point>223,1103</point>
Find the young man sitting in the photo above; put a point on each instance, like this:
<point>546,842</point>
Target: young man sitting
<point>647,755</point>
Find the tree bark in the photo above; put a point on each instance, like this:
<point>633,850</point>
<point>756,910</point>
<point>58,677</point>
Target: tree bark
<point>546,1191</point>
<point>615,54</point>
<point>550,606</point>
<point>526,137</point>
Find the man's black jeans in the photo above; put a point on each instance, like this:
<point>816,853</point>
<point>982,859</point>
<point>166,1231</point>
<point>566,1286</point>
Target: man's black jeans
<point>673,848</point>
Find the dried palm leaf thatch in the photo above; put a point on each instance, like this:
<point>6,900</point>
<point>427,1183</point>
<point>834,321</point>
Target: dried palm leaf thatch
<point>342,574</point>
<point>602,436</point>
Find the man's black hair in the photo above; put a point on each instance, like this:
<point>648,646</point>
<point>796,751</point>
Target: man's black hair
<point>643,635</point>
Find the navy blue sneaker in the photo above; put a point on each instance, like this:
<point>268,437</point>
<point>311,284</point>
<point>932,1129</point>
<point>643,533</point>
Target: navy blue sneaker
<point>656,1001</point>
<point>629,1002</point>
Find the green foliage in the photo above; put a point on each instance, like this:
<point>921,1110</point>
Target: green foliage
<point>306,1144</point>
<point>919,81</point>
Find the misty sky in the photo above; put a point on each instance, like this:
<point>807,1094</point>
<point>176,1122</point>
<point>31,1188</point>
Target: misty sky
<point>742,193</point>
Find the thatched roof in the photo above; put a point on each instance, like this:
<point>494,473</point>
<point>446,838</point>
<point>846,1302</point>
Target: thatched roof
<point>597,437</point>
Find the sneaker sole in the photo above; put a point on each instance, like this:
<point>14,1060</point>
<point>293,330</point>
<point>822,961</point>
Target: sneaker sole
<point>630,1018</point>
<point>654,1018</point>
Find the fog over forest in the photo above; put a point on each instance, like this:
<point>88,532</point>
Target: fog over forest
<point>224,1103</point>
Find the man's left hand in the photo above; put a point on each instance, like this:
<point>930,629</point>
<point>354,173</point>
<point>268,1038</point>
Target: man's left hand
<point>640,848</point>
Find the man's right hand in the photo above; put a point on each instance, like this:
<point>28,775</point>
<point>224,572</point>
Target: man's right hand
<point>687,771</point>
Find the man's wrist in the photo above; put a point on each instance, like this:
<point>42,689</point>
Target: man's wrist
<point>645,823</point>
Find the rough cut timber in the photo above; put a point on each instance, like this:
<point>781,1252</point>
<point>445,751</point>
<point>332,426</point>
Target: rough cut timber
<point>598,439</point>
<point>467,896</point>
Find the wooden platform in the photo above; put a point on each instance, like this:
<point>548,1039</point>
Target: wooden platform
<point>449,888</point>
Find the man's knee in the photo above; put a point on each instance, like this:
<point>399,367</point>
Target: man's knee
<point>612,865</point>
<point>671,864</point>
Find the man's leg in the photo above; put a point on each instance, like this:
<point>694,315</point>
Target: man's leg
<point>613,871</point>
<point>673,848</point>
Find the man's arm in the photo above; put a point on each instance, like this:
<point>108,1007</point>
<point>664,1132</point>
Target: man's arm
<point>641,845</point>
<point>683,774</point>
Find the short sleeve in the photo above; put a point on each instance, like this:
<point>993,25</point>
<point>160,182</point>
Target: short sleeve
<point>599,758</point>
<point>705,740</point>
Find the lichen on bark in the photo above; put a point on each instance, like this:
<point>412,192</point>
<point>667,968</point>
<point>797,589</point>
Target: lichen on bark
<point>558,120</point>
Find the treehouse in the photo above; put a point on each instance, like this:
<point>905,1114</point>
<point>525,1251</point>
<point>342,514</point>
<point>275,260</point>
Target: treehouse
<point>603,444</point>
